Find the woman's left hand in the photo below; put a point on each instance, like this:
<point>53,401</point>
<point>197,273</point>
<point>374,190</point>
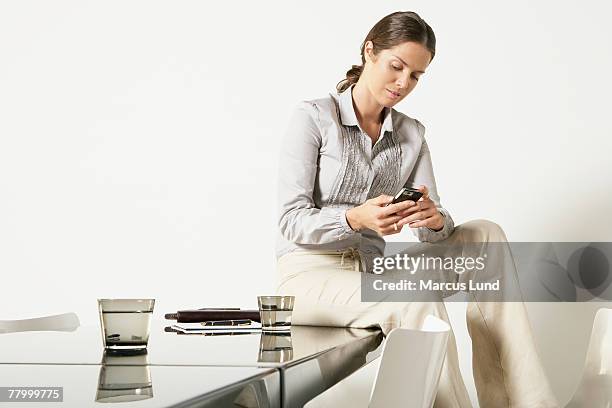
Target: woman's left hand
<point>423,214</point>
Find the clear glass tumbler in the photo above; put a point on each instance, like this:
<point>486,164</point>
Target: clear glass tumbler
<point>126,323</point>
<point>275,312</point>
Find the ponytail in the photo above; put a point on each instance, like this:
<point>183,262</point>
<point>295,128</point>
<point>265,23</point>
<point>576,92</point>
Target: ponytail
<point>352,76</point>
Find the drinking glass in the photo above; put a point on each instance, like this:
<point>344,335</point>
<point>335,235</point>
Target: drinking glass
<point>275,312</point>
<point>126,323</point>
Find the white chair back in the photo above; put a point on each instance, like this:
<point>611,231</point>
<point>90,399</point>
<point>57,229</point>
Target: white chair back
<point>410,368</point>
<point>595,388</point>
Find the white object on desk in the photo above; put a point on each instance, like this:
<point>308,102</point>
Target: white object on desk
<point>63,322</point>
<point>198,328</point>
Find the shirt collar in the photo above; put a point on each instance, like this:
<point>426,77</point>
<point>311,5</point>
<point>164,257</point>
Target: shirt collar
<point>348,116</point>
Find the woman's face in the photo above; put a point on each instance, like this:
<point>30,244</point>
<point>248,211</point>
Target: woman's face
<point>393,73</point>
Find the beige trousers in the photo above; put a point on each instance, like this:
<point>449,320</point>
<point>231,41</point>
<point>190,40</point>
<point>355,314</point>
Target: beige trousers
<point>507,369</point>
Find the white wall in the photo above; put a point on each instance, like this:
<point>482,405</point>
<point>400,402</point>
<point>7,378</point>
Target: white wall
<point>139,139</point>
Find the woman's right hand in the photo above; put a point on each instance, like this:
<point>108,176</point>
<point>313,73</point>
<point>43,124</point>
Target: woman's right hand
<point>376,215</point>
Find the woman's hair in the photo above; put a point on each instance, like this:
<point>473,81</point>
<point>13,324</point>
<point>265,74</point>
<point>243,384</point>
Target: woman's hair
<point>392,30</point>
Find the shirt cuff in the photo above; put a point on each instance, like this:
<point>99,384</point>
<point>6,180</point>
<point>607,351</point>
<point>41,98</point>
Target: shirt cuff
<point>336,219</point>
<point>345,229</point>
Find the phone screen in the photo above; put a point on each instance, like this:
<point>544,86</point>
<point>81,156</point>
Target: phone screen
<point>407,194</point>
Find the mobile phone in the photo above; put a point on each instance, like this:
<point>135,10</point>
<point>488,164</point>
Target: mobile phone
<point>407,193</point>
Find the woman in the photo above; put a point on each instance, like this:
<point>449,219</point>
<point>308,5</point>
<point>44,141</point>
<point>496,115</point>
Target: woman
<point>343,159</point>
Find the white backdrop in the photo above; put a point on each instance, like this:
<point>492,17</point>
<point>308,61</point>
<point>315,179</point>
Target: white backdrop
<point>139,141</point>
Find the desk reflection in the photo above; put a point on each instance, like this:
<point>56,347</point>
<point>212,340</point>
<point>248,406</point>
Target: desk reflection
<point>125,376</point>
<point>275,347</point>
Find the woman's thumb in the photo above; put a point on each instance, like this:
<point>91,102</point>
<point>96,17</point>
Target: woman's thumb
<point>383,199</point>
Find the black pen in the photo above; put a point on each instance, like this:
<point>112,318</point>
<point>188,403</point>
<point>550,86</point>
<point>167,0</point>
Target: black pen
<point>174,316</point>
<point>239,322</point>
<point>199,316</point>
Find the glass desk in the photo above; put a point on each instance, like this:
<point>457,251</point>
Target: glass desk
<point>148,386</point>
<point>309,361</point>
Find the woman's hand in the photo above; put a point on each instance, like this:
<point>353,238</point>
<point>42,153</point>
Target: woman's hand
<point>376,215</point>
<point>423,214</point>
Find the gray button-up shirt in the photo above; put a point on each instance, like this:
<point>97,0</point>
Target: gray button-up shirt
<point>328,165</point>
